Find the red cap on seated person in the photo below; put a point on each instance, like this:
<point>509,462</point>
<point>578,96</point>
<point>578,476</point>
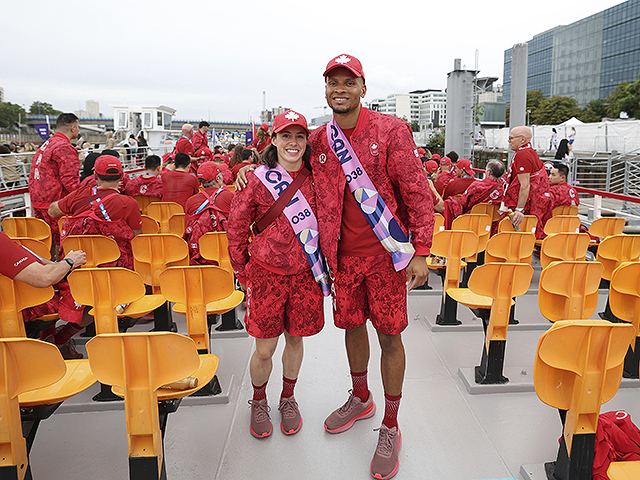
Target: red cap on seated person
<point>349,62</point>
<point>465,164</point>
<point>264,127</point>
<point>287,119</point>
<point>431,166</point>
<point>435,157</point>
<point>107,165</point>
<point>421,152</point>
<point>208,171</point>
<point>445,161</point>
<point>204,152</point>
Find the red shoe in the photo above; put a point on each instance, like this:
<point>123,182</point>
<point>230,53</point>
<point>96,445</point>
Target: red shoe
<point>385,461</point>
<point>344,417</point>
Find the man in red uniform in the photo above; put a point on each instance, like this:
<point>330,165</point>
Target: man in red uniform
<point>365,283</point>
<point>149,183</point>
<point>185,145</point>
<point>206,211</point>
<point>98,210</point>
<point>200,139</point>
<point>179,185</point>
<point>464,178</point>
<point>446,174</point>
<point>488,190</point>
<point>55,172</point>
<point>561,192</point>
<point>527,180</point>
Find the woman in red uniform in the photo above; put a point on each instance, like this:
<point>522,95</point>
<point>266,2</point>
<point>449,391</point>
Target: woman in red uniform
<point>280,268</point>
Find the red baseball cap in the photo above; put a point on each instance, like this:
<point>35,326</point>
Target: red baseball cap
<point>107,165</point>
<point>204,152</point>
<point>421,152</point>
<point>264,127</point>
<point>435,156</point>
<point>431,166</point>
<point>349,62</point>
<point>208,171</point>
<point>287,119</point>
<point>445,161</point>
<point>465,165</point>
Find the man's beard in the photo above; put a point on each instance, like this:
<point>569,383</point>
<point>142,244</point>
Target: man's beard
<point>341,109</point>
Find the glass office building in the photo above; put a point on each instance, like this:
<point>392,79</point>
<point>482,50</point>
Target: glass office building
<point>586,59</point>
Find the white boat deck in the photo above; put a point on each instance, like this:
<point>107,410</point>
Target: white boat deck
<point>448,433</point>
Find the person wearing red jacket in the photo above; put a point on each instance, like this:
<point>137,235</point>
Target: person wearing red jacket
<point>262,140</point>
<point>446,173</point>
<point>207,211</point>
<point>200,139</point>
<point>560,193</point>
<point>55,172</point>
<point>149,183</point>
<point>365,283</point>
<point>274,270</point>
<point>99,210</point>
<point>464,178</point>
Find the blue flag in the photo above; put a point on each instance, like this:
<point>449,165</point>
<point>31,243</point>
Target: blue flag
<point>43,130</point>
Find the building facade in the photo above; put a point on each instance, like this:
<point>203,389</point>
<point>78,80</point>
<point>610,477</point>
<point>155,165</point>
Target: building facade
<point>427,108</point>
<point>586,59</point>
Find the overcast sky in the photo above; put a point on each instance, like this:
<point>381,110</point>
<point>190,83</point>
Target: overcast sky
<point>213,59</point>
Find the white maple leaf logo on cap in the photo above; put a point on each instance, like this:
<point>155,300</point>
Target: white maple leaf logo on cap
<point>292,116</point>
<point>342,59</point>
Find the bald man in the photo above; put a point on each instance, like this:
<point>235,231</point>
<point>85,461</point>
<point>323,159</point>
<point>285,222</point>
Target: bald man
<point>185,145</point>
<point>527,180</point>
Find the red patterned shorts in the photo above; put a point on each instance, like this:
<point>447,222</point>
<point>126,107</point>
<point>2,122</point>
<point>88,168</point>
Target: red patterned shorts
<point>370,288</point>
<point>276,303</point>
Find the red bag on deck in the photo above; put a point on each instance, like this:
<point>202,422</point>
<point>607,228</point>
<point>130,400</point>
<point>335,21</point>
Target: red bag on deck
<point>617,440</point>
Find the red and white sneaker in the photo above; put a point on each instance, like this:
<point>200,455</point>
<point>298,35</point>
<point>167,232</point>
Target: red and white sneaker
<point>291,418</point>
<point>344,417</point>
<point>261,426</point>
<point>385,461</point>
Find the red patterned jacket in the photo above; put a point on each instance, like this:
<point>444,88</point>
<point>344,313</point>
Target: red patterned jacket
<point>385,148</point>
<point>276,248</point>
<point>151,187</point>
<point>199,140</point>
<point>55,171</point>
<point>486,190</point>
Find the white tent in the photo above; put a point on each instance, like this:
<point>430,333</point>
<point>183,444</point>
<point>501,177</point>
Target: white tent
<point>572,121</point>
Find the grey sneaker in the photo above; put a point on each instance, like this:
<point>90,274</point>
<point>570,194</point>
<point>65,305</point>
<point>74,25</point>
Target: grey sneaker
<point>343,418</point>
<point>385,461</point>
<point>291,419</point>
<point>261,426</point>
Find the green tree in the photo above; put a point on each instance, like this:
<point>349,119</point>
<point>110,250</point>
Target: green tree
<point>43,108</point>
<point>10,113</point>
<point>594,111</point>
<point>535,98</point>
<point>436,141</point>
<point>556,109</point>
<point>613,100</point>
<point>630,101</point>
<point>415,126</point>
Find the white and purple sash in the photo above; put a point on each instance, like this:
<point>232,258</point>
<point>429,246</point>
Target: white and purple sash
<point>380,218</point>
<point>302,220</point>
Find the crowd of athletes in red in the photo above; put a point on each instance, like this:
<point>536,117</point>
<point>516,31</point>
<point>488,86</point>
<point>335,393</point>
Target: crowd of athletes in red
<point>271,265</point>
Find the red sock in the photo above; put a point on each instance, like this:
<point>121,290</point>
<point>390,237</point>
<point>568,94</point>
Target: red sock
<point>391,405</point>
<point>287,387</point>
<point>259,393</point>
<point>360,385</point>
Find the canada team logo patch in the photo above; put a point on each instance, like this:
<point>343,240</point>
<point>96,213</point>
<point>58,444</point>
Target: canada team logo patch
<point>374,148</point>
